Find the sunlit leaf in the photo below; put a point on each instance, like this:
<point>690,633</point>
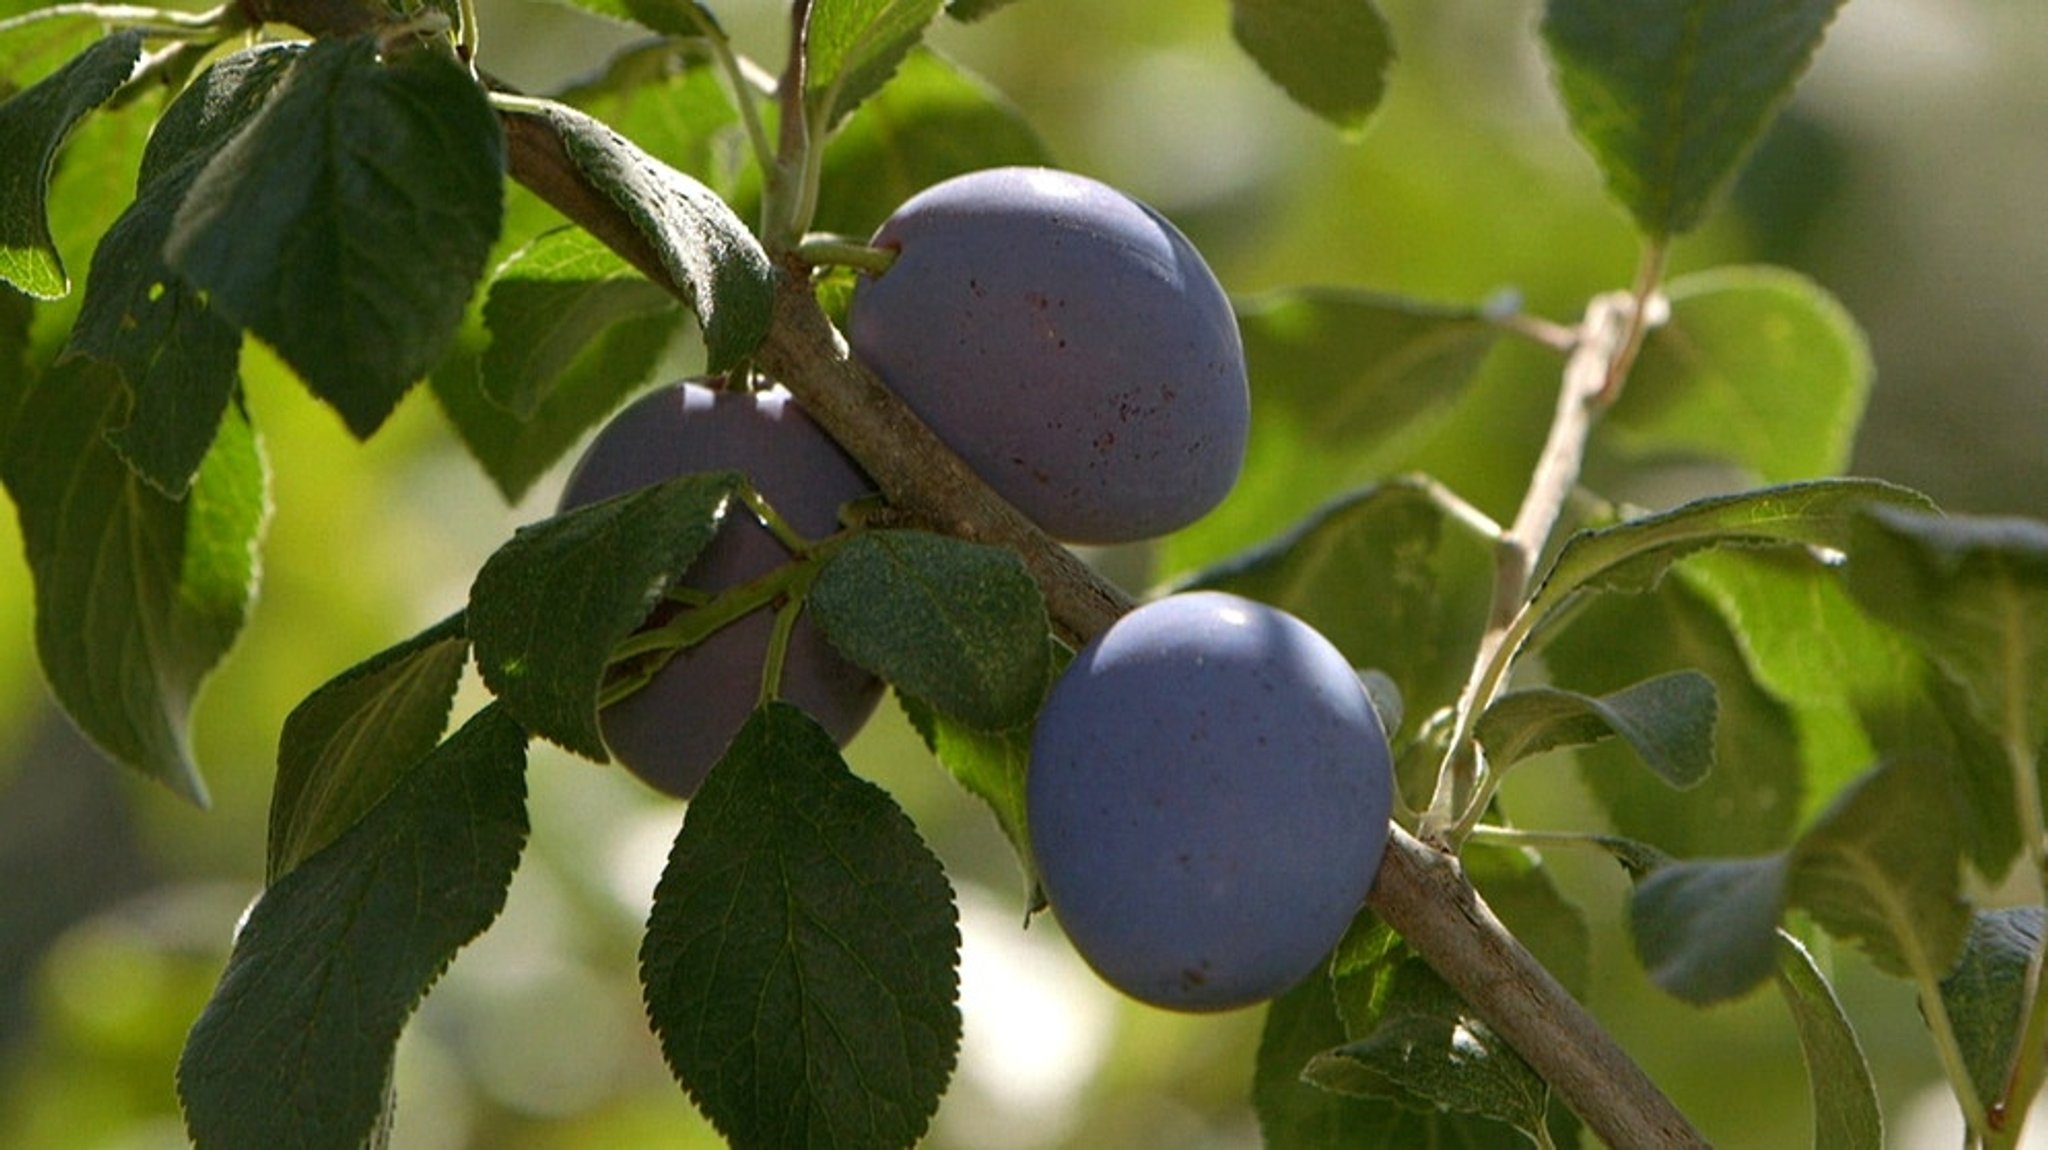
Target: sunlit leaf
<point>991,766</point>
<point>1846,1115</point>
<point>33,125</point>
<point>547,306</point>
<point>799,962</point>
<point>854,48</point>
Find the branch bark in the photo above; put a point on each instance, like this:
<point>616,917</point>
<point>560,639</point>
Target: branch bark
<point>1422,892</point>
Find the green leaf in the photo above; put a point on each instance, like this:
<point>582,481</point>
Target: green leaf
<point>177,353</point>
<point>668,17</point>
<point>931,122</point>
<point>33,127</point>
<point>1330,56</point>
<point>1393,575</point>
<point>669,98</point>
<point>1670,95</point>
<point>1414,1040</point>
<point>1858,690</point>
<point>137,596</point>
<point>991,765</point>
<point>1973,593</point>
<point>968,11</point>
<point>1706,930</point>
<point>296,1046</point>
<point>1517,885</point>
<point>548,607</point>
<point>349,222</point>
<point>1633,555</point>
<point>854,46</point>
<point>1986,993</point>
<point>516,452</point>
<point>799,965</point>
<point>724,274</point>
<point>959,625</point>
<point>345,746</point>
<point>1669,720</point>
<point>1881,868</point>
<point>1751,802</point>
<point>548,304</point>
<point>1757,365</point>
<point>1845,1108</point>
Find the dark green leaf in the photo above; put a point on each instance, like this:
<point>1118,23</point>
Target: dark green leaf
<point>348,742</point>
<point>668,97</point>
<point>1707,930</point>
<point>1633,556</point>
<point>1670,95</point>
<point>1393,575</point>
<point>1881,868</point>
<point>1973,592</point>
<point>351,220</point>
<point>1845,1109</point>
<point>854,47</point>
<point>1413,1040</point>
<point>515,452</point>
<point>968,11</point>
<point>991,765</point>
<point>33,126</point>
<point>1669,720</point>
<point>1758,366</point>
<point>178,355</point>
<point>933,121</point>
<point>960,625</point>
<point>1517,885</point>
<point>1330,56</point>
<point>1294,1115</point>
<point>1987,991</point>
<point>137,596</point>
<point>549,606</point>
<point>1751,802</point>
<point>799,963</point>
<point>548,304</point>
<point>668,17</point>
<point>1858,690</point>
<point>297,1043</point>
<point>725,276</point>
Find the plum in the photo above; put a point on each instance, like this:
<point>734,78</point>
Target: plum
<point>1068,342</point>
<point>1208,800</point>
<point>671,732</point>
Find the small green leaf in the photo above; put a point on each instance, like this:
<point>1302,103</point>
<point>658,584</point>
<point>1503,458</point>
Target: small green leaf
<point>137,596</point>
<point>1881,868</point>
<point>1669,720</point>
<point>959,625</point>
<point>1759,366</point>
<point>1294,1114</point>
<point>1413,1040</point>
<point>1973,592</point>
<point>1670,95</point>
<point>177,353</point>
<point>296,1046</point>
<point>968,11</point>
<point>548,304</point>
<point>1393,575</point>
<point>348,742</point>
<point>1330,56</point>
<point>1986,993</point>
<point>548,607</point>
<point>348,224</point>
<point>854,47</point>
<point>991,765</point>
<point>1845,1109</point>
<point>799,965</point>
<point>1633,556</point>
<point>931,122</point>
<point>33,127</point>
<point>724,274</point>
<point>1706,930</point>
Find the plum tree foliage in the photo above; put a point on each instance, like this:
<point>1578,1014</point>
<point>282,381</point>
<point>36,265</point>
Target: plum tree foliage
<point>1068,342</point>
<point>1207,799</point>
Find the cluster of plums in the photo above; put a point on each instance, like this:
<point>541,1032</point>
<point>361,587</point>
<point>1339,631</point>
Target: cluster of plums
<point>1209,785</point>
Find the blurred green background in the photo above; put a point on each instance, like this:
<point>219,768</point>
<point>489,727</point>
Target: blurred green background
<point>1905,177</point>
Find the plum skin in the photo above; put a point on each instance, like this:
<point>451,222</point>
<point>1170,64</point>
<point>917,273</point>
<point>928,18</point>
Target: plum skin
<point>673,730</point>
<point>1068,342</point>
<point>1208,801</point>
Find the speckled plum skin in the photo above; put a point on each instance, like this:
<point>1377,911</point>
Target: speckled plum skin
<point>1208,801</point>
<point>1068,342</point>
<point>672,731</point>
